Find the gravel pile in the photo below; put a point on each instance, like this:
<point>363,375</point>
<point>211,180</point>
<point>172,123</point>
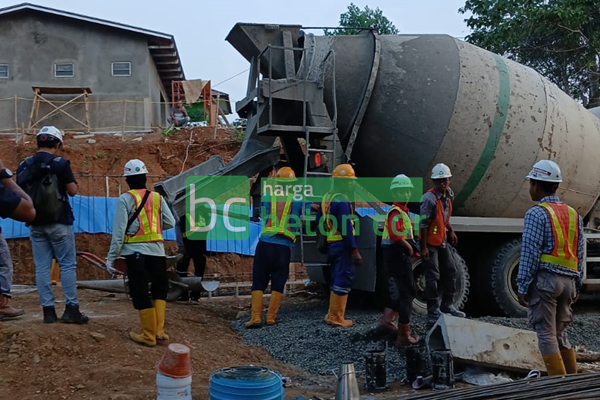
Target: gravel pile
<point>302,338</point>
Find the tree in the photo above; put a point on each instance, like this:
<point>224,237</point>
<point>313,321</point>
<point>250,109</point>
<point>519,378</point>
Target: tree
<point>368,19</point>
<point>558,38</point>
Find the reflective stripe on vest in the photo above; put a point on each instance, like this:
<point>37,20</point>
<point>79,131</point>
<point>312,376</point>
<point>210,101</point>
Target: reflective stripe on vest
<point>150,229</point>
<point>281,211</point>
<point>565,229</point>
<point>385,238</point>
<point>325,207</point>
<point>436,232</point>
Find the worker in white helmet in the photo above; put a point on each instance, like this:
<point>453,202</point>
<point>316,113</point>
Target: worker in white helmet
<point>141,217</point>
<point>551,267</point>
<point>436,232</point>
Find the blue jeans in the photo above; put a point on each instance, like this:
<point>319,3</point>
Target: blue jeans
<point>6,267</point>
<point>58,241</point>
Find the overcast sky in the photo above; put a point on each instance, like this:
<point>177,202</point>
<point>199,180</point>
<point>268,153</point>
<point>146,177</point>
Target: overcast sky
<point>200,26</point>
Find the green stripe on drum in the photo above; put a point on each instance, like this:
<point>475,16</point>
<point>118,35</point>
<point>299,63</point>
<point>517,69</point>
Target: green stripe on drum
<point>487,155</point>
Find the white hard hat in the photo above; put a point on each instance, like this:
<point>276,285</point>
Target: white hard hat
<point>401,181</point>
<point>135,167</point>
<point>546,171</point>
<point>51,131</point>
<point>441,171</point>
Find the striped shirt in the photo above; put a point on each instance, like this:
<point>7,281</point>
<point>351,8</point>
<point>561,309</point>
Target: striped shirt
<point>537,240</point>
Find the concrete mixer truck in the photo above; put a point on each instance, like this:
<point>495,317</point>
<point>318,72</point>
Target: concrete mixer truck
<point>393,104</point>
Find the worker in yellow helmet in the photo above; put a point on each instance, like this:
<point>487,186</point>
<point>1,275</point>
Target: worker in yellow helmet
<point>337,217</point>
<point>280,217</point>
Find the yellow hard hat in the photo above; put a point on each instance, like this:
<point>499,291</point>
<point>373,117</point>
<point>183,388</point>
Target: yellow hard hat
<point>286,172</point>
<point>344,171</point>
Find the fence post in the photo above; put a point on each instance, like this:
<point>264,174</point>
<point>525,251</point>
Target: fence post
<point>16,121</point>
<point>124,119</point>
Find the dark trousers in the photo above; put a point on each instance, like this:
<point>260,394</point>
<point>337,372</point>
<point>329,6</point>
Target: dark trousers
<point>342,268</point>
<point>194,250</point>
<point>401,285</point>
<point>271,263</point>
<point>440,274</point>
<point>143,270</point>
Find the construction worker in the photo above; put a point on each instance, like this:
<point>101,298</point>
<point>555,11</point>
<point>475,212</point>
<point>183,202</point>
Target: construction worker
<point>551,267</point>
<point>397,253</point>
<point>280,218</point>
<point>141,217</point>
<point>342,249</point>
<point>436,232</point>
<point>191,250</point>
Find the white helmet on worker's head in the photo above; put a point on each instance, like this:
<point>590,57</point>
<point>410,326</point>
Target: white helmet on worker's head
<point>135,167</point>
<point>50,131</point>
<point>441,171</point>
<point>400,182</point>
<point>545,171</point>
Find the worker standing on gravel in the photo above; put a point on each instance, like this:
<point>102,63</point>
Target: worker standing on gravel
<point>397,253</point>
<point>436,232</point>
<point>274,250</point>
<point>551,267</point>
<point>342,249</point>
<point>141,217</point>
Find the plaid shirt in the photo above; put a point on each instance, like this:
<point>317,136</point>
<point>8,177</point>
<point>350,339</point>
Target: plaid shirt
<point>538,240</point>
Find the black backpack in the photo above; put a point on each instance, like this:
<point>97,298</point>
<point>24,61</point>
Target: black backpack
<point>41,184</point>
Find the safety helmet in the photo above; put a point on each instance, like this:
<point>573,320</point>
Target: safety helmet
<point>51,131</point>
<point>344,171</point>
<point>135,167</point>
<point>401,181</point>
<point>286,172</point>
<point>441,171</point>
<point>546,171</point>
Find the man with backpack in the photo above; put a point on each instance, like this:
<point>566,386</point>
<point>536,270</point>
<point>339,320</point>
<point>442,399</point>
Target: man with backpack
<point>47,178</point>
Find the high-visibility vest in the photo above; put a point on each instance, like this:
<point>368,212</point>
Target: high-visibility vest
<point>200,223</point>
<point>325,207</point>
<point>565,229</point>
<point>436,232</point>
<point>385,238</point>
<point>149,218</point>
<point>281,226</point>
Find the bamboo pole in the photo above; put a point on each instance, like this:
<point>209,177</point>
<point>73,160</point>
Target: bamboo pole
<point>16,121</point>
<point>124,119</point>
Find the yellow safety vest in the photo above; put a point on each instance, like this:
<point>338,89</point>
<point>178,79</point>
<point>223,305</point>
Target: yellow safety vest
<point>565,229</point>
<point>281,211</point>
<point>201,223</point>
<point>149,218</point>
<point>385,239</point>
<point>325,206</point>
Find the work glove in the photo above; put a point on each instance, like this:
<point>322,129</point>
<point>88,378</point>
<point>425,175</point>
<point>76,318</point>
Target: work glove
<point>110,267</point>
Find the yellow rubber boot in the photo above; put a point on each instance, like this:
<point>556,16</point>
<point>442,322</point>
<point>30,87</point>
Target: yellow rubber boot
<point>274,304</point>
<point>337,310</point>
<point>257,306</point>
<point>161,307</point>
<point>554,364</point>
<point>568,356</point>
<point>148,322</point>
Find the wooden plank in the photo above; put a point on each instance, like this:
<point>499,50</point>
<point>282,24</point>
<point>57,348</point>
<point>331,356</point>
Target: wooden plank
<point>61,90</point>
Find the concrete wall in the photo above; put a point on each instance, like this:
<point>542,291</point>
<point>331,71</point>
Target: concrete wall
<point>31,43</point>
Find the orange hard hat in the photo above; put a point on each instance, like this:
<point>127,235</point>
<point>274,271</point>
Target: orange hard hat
<point>344,171</point>
<point>286,172</point>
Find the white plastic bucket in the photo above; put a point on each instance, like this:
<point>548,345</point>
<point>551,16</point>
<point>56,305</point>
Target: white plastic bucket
<point>173,388</point>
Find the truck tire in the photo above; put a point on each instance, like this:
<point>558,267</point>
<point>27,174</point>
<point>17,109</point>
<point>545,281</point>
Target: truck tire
<point>463,284</point>
<point>498,279</point>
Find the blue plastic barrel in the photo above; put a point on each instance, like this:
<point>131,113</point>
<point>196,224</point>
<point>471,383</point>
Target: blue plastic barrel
<point>247,382</point>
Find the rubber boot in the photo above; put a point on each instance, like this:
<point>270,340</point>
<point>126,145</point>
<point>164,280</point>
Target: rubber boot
<point>148,323</point>
<point>72,315</point>
<point>50,316</point>
<point>257,306</point>
<point>448,308</point>
<point>161,307</point>
<point>6,311</point>
<point>337,310</point>
<point>274,304</point>
<point>569,359</point>
<point>405,337</point>
<point>433,310</point>
<point>554,364</point>
<point>387,322</point>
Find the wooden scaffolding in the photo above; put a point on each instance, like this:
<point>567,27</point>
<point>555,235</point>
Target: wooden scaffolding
<point>39,92</point>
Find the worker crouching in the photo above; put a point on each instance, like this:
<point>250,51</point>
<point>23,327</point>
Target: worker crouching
<point>551,267</point>
<point>141,217</point>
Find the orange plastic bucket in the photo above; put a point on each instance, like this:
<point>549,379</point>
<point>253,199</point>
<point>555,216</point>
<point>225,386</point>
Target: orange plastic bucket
<point>176,361</point>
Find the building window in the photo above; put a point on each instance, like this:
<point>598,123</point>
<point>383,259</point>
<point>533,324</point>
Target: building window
<point>3,70</point>
<point>63,70</point>
<point>121,68</point>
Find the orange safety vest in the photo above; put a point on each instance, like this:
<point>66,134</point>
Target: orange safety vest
<point>565,229</point>
<point>408,228</point>
<point>436,233</point>
<point>281,211</point>
<point>149,218</point>
<point>325,207</point>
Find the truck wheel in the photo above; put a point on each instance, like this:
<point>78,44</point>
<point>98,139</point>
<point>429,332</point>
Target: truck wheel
<point>463,283</point>
<point>499,279</point>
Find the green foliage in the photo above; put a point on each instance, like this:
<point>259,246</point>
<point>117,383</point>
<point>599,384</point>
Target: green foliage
<point>558,38</point>
<point>367,18</point>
